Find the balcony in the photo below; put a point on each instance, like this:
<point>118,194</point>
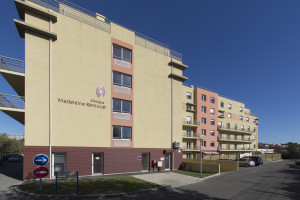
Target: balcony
<point>221,115</point>
<point>235,129</point>
<point>13,71</point>
<point>237,149</point>
<point>234,139</point>
<point>194,124</point>
<point>14,106</point>
<point>191,135</point>
<point>191,148</point>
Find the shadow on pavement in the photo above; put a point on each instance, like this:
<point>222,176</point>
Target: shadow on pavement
<point>292,187</point>
<point>12,169</point>
<point>168,193</point>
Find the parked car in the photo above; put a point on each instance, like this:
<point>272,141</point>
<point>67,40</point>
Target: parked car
<point>1,160</point>
<point>15,158</point>
<point>246,162</point>
<point>258,160</point>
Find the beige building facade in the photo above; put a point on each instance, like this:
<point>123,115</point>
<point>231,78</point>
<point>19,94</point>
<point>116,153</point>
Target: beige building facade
<point>98,98</point>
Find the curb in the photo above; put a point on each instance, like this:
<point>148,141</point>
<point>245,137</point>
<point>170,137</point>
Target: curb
<point>161,188</point>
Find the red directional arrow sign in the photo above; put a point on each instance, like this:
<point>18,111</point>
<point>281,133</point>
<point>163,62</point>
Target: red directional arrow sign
<point>41,172</point>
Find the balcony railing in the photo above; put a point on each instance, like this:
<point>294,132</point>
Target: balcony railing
<point>78,13</point>
<point>236,139</point>
<point>235,129</point>
<point>191,135</point>
<point>191,148</point>
<point>12,101</point>
<point>236,149</point>
<point>249,113</point>
<point>11,64</point>
<point>192,123</point>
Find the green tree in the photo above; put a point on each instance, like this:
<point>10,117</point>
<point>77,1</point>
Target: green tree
<point>10,146</point>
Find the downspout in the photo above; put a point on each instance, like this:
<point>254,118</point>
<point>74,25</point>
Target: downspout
<point>50,103</point>
<point>171,106</point>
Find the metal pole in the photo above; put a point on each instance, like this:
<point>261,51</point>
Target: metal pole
<point>50,103</point>
<point>40,184</point>
<point>77,183</point>
<point>200,159</point>
<point>56,182</point>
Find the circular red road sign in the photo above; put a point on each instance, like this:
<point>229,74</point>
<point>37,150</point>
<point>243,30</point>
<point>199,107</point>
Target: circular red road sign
<point>41,172</point>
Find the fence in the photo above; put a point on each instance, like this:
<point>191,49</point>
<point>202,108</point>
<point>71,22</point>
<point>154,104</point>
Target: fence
<point>269,157</point>
<point>12,64</point>
<point>12,101</point>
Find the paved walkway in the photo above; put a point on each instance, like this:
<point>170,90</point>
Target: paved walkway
<point>168,179</point>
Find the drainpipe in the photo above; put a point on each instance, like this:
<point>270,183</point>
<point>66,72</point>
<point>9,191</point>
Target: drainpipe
<point>50,103</point>
<point>171,106</point>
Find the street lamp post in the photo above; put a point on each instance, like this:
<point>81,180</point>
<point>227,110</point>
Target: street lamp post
<point>201,139</point>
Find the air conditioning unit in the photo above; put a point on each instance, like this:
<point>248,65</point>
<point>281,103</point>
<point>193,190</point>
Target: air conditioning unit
<point>177,145</point>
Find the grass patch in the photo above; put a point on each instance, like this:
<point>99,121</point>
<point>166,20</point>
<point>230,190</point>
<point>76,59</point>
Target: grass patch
<point>91,186</point>
<point>196,174</point>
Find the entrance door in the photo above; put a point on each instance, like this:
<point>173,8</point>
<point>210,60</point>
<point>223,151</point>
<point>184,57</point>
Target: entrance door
<point>97,163</point>
<point>168,161</point>
<point>145,161</point>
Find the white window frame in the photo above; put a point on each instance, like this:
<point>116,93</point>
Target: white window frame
<point>122,100</point>
<point>122,56</point>
<point>229,106</point>
<point>212,111</point>
<point>122,133</point>
<point>229,115</point>
<point>122,79</point>
<point>188,95</point>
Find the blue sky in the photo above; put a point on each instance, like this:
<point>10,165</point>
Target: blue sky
<point>247,50</point>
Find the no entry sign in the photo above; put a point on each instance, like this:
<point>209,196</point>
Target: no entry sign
<point>41,172</point>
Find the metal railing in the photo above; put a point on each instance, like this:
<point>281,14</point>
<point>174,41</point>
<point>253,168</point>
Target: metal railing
<point>235,129</point>
<point>236,139</point>
<point>238,148</point>
<point>190,135</point>
<point>12,101</point>
<point>12,64</point>
<point>81,14</point>
<point>250,113</point>
<point>191,148</point>
<point>194,123</point>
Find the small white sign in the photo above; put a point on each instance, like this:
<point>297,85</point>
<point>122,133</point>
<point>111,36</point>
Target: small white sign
<point>159,163</point>
<point>162,158</point>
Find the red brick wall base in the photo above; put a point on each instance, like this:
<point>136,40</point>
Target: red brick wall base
<point>116,160</point>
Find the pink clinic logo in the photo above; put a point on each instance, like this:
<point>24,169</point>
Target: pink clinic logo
<point>100,91</point>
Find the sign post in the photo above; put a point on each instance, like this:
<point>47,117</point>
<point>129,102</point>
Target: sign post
<point>41,172</point>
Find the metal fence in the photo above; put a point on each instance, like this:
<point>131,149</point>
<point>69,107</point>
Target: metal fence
<point>194,123</point>
<point>83,15</point>
<point>235,129</point>
<point>12,64</point>
<point>12,101</point>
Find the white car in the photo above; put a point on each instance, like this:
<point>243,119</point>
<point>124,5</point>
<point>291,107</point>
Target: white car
<point>246,162</point>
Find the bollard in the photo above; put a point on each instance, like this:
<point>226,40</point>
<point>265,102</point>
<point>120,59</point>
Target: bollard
<point>56,182</point>
<point>77,183</point>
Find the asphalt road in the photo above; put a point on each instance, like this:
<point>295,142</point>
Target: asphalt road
<point>276,180</point>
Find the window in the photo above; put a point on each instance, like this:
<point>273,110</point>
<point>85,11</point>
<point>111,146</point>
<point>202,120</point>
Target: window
<point>222,104</point>
<point>235,127</point>
<point>212,144</point>
<point>242,127</point>
<point>188,145</point>
<point>254,129</point>
<point>60,163</point>
<point>121,132</point>
<point>241,109</point>
<point>203,120</point>
<point>203,109</point>
<point>228,125</point>
<point>121,106</point>
<point>212,122</point>
<point>212,100</point>
<point>122,79</point>
<point>203,132</point>
<point>241,118</point>
<point>220,124</point>
<point>247,119</point>
<point>188,120</point>
<point>188,107</point>
<point>212,111</point>
<point>248,128</point>
<point>121,53</point>
<point>229,106</point>
<point>203,97</point>
<point>229,115</point>
<point>188,155</point>
<point>188,133</point>
<point>203,143</point>
<point>212,133</point>
<point>188,95</point>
